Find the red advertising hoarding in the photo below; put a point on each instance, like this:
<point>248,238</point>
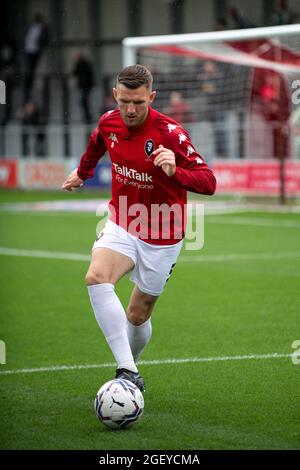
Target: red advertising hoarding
<point>8,173</point>
<point>256,177</point>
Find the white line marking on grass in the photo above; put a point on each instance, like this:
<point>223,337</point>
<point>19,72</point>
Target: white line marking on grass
<point>44,254</point>
<point>214,206</point>
<point>74,206</point>
<point>184,258</point>
<point>210,217</point>
<point>49,213</point>
<point>239,257</point>
<point>264,222</point>
<point>189,360</point>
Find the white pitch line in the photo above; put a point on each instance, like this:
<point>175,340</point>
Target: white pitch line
<point>149,363</point>
<point>239,257</point>
<point>44,254</point>
<point>212,215</point>
<point>263,222</point>
<point>183,258</point>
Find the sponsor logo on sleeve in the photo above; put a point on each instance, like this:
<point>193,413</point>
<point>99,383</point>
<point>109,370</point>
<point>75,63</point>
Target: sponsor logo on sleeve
<point>172,127</point>
<point>182,138</point>
<point>190,150</point>
<point>113,138</point>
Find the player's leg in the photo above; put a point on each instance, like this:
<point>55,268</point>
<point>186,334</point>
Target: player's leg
<point>139,328</point>
<point>106,268</point>
<point>108,265</point>
<point>150,275</point>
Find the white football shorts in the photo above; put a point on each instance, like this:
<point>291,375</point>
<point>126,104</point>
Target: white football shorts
<point>153,264</point>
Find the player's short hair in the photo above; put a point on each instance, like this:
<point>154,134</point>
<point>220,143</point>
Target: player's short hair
<point>135,76</point>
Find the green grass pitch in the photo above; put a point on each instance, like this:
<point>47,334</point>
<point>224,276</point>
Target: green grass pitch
<point>241,299</point>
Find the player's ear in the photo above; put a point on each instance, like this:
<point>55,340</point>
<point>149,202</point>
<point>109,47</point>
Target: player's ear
<point>115,93</point>
<point>152,96</point>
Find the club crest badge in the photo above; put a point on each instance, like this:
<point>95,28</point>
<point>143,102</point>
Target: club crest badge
<point>149,147</point>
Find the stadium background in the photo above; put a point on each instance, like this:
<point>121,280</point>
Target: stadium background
<point>221,369</point>
<point>53,136</point>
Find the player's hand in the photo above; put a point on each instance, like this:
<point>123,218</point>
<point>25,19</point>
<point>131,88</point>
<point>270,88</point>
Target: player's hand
<point>73,181</point>
<point>165,158</point>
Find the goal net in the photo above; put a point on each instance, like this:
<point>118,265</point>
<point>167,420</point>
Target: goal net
<point>235,91</point>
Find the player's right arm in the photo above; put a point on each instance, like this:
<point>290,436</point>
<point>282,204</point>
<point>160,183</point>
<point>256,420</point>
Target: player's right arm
<point>73,181</point>
<point>95,149</point>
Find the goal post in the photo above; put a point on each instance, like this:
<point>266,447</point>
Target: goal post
<point>232,90</point>
<point>131,44</point>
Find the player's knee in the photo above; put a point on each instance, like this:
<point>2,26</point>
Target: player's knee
<point>96,277</point>
<point>138,314</point>
<point>135,316</point>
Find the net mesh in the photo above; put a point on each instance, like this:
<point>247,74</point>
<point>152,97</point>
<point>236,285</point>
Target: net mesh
<point>235,98</point>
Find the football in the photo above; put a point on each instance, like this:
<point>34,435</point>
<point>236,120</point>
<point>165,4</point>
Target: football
<point>119,404</point>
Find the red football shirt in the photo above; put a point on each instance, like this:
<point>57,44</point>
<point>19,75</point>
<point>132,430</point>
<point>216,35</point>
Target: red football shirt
<point>145,201</point>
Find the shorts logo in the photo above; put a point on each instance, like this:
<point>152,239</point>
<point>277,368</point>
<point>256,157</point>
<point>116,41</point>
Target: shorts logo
<point>99,236</point>
<point>149,147</point>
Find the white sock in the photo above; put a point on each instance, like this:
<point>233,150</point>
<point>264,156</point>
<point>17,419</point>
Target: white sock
<point>139,336</point>
<point>112,320</point>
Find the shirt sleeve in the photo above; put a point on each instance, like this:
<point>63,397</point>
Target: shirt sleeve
<point>95,149</point>
<point>192,172</point>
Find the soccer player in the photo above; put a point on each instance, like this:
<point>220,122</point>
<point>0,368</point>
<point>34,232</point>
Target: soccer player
<point>154,164</point>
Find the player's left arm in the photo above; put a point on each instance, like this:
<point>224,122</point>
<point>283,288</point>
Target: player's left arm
<point>183,164</point>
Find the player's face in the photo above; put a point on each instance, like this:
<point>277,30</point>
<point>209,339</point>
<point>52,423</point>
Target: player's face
<point>133,103</point>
